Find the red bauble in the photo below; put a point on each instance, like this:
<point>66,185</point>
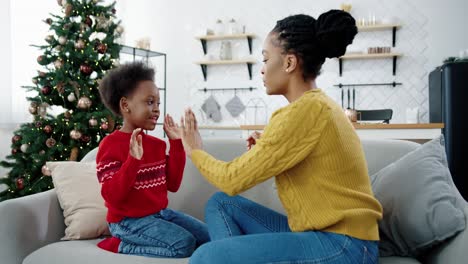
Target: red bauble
<point>102,48</point>
<point>48,129</point>
<point>86,69</point>
<point>14,151</point>
<point>20,183</point>
<point>42,60</point>
<point>85,138</point>
<point>46,90</point>
<point>88,22</point>
<point>38,124</point>
<point>16,138</point>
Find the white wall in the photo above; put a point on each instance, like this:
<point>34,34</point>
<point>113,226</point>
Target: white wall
<point>5,66</point>
<point>432,30</point>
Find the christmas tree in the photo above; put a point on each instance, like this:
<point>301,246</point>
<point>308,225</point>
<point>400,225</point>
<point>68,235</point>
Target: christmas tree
<point>81,47</point>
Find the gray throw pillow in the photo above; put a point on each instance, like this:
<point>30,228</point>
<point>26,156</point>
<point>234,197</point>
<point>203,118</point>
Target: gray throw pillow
<point>421,204</point>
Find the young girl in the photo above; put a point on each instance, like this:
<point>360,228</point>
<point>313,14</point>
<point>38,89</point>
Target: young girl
<point>312,150</point>
<point>135,173</point>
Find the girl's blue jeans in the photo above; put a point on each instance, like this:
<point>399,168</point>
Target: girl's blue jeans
<point>243,232</point>
<point>168,233</point>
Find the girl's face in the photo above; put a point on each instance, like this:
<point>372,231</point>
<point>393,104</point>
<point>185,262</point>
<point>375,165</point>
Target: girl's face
<point>275,77</point>
<point>141,109</point>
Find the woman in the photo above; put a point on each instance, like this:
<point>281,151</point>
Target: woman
<point>310,148</point>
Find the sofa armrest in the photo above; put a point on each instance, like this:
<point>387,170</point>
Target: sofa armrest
<point>452,251</point>
<point>28,223</point>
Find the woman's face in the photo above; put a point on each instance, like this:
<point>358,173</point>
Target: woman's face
<point>275,77</point>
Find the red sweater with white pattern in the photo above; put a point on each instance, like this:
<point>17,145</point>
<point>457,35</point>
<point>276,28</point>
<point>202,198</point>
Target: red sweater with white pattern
<point>137,188</point>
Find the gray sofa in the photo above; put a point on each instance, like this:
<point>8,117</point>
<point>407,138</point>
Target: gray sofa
<point>31,227</point>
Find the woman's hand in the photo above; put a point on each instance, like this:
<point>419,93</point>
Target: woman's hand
<point>173,131</point>
<point>191,138</point>
<point>136,145</point>
<point>252,140</point>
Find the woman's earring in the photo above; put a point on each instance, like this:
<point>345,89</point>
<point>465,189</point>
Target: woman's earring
<point>287,70</point>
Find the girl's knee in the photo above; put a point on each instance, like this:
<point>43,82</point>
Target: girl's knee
<point>207,254</point>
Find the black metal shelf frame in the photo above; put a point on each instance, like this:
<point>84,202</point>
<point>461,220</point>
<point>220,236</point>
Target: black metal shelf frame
<point>226,89</point>
<point>340,85</point>
<point>205,50</point>
<point>204,68</point>
<point>394,64</point>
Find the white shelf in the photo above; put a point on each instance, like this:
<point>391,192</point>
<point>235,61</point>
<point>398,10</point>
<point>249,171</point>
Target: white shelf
<point>221,37</point>
<point>378,27</point>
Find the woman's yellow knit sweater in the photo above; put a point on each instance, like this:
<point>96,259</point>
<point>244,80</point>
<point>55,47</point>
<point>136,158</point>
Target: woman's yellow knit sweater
<point>320,168</point>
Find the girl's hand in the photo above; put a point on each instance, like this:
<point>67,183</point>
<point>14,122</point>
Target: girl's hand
<point>173,131</point>
<point>136,145</point>
<point>252,140</point>
<point>191,138</point>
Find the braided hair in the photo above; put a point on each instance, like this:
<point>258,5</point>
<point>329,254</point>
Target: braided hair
<point>313,40</point>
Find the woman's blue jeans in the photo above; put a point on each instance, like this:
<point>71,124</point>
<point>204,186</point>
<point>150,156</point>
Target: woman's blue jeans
<point>168,233</point>
<point>245,232</point>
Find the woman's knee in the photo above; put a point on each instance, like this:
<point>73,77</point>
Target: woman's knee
<point>184,247</point>
<point>208,253</point>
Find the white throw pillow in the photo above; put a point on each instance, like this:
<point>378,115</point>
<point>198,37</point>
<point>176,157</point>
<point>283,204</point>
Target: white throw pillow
<point>79,195</point>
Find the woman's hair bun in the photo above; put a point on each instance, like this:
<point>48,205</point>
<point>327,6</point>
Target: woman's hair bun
<point>335,30</point>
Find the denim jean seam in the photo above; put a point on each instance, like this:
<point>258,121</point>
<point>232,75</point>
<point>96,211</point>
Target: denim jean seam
<point>248,213</point>
<point>320,260</point>
<point>158,242</point>
<point>221,212</point>
<point>158,253</point>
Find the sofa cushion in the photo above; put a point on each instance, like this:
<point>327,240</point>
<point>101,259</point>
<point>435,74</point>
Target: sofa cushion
<point>86,251</point>
<point>78,192</point>
<point>421,204</point>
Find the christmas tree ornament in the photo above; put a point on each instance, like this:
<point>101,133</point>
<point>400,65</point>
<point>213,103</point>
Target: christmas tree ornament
<point>46,90</point>
<point>68,8</point>
<point>16,138</point>
<point>102,48</point>
<point>58,64</point>
<point>34,80</point>
<point>49,38</point>
<point>67,114</point>
<point>79,44</point>
<point>88,21</point>
<point>71,97</point>
<point>84,103</point>
<point>14,151</point>
<point>86,69</point>
<point>60,87</point>
<point>104,126</point>
<point>48,129</point>
<point>42,109</point>
<point>42,60</point>
<point>85,138</point>
<point>46,171</point>
<point>48,21</point>
<point>66,26</point>
<point>24,148</point>
<point>20,183</point>
<point>62,40</point>
<point>50,142</point>
<point>74,154</point>
<point>38,124</point>
<point>58,48</point>
<point>41,74</point>
<point>92,122</point>
<point>32,109</point>
<point>75,134</point>
<point>119,29</point>
<point>42,152</point>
